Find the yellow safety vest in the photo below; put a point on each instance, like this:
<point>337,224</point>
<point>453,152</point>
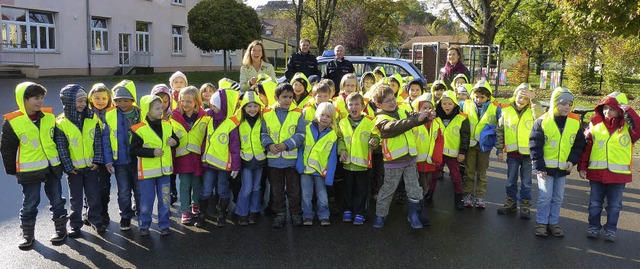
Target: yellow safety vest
<point>517,129</point>
<point>281,132</point>
<point>476,125</point>
<point>396,147</point>
<point>451,135</point>
<point>183,138</point>
<point>111,118</point>
<point>80,143</point>
<point>611,151</point>
<point>426,140</point>
<point>316,153</point>
<point>250,146</point>
<point>153,167</point>
<point>302,103</point>
<point>36,150</point>
<point>558,145</point>
<point>197,134</point>
<point>217,147</point>
<point>357,141</point>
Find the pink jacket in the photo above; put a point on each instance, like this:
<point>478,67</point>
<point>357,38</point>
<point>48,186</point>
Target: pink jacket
<point>190,163</point>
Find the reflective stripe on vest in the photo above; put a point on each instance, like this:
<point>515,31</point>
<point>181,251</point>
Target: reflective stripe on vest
<point>517,129</point>
<point>36,150</point>
<point>476,125</point>
<point>197,135</point>
<point>558,145</point>
<point>250,144</point>
<point>111,118</point>
<point>154,166</point>
<point>451,135</point>
<point>611,151</point>
<point>217,144</point>
<point>357,141</point>
<point>396,147</point>
<point>281,132</point>
<point>183,138</point>
<point>80,143</point>
<point>316,153</point>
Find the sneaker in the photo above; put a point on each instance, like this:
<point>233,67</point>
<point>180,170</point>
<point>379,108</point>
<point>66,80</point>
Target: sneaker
<point>278,221</point>
<point>125,224</point>
<point>541,230</point>
<point>593,232</point>
<point>307,222</point>
<point>144,232</point>
<point>106,220</point>
<point>253,218</point>
<point>195,210</point>
<point>359,220</point>
<point>468,201</point>
<point>555,230</point>
<point>75,233</point>
<point>325,222</point>
<point>165,232</point>
<point>346,216</point>
<point>480,203</point>
<point>296,220</point>
<point>186,218</point>
<point>243,221</point>
<point>610,236</point>
<point>99,228</point>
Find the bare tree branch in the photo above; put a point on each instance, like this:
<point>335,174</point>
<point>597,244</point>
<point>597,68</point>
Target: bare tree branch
<point>471,28</point>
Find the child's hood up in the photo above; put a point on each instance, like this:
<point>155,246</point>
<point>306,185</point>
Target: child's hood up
<point>301,76</point>
<point>555,95</point>
<point>145,106</point>
<point>453,81</point>
<point>614,100</point>
<point>20,89</point>
<point>68,96</point>
<point>126,85</point>
<point>162,88</point>
<point>365,75</point>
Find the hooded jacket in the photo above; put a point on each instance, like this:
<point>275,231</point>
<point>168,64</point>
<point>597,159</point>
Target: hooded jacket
<point>306,64</point>
<point>100,113</point>
<point>68,98</point>
<point>627,117</point>
<point>536,110</point>
<point>433,88</point>
<point>537,139</point>
<point>10,143</point>
<point>137,143</point>
<point>390,129</point>
<point>189,163</point>
<point>306,97</point>
<point>365,75</point>
<point>161,88</point>
<point>465,131</point>
<point>234,138</point>
<point>333,156</point>
<point>123,131</point>
<point>453,81</point>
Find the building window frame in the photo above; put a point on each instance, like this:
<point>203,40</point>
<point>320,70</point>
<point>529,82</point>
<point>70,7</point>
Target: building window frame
<point>36,30</point>
<point>143,37</point>
<point>99,34</point>
<point>177,39</point>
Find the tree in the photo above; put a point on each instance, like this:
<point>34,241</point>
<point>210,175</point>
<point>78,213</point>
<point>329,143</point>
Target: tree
<point>620,56</point>
<point>298,9</point>
<point>484,18</point>
<point>350,29</point>
<point>222,25</point>
<point>619,17</point>
<point>321,14</point>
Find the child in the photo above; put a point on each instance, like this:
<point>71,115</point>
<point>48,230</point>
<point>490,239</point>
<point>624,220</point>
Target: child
<point>513,132</point>
<point>430,144</point>
<point>253,159</point>
<point>282,133</point>
<point>164,93</point>
<point>152,141</point>
<point>459,80</point>
<point>317,163</point>
<point>415,90</point>
<point>322,93</point>
<point>100,100</point>
<point>29,153</point>
<point>188,125</point>
<point>463,93</point>
<point>366,81</point>
<point>355,146</point>
<point>348,85</point>
<point>78,139</point>
<point>332,86</point>
<point>555,143</point>
<point>399,150</point>
<point>177,81</point>
<point>221,155</point>
<point>395,82</point>
<point>455,128</point>
<point>313,80</point>
<point>437,89</point>
<point>116,145</point>
<point>379,73</point>
<point>301,90</point>
<point>206,90</point>
<point>606,161</point>
<point>482,114</point>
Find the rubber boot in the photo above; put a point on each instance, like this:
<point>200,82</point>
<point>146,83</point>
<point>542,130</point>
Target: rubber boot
<point>412,215</point>
<point>60,225</point>
<point>222,212</point>
<point>213,203</point>
<point>202,217</point>
<point>27,237</point>
<point>379,222</point>
<point>457,201</point>
<point>525,212</point>
<point>509,207</point>
<point>422,214</point>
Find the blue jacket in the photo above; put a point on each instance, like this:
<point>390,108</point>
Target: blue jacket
<point>294,142</point>
<point>333,156</point>
<point>124,145</point>
<point>536,144</point>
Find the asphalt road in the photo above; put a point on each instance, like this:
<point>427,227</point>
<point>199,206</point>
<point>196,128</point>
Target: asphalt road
<point>471,238</point>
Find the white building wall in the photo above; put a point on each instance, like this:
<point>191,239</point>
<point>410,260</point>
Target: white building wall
<point>72,36</point>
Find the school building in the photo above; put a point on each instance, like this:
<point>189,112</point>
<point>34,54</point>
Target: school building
<point>99,37</point>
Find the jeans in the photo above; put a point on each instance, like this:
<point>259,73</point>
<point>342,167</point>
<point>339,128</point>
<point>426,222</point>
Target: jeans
<point>523,168</point>
<point>190,187</point>
<point>127,180</point>
<point>217,179</point>
<point>85,182</point>
<point>31,200</point>
<point>308,182</point>
<point>150,189</point>
<point>249,197</point>
<point>550,195</point>
<point>613,193</point>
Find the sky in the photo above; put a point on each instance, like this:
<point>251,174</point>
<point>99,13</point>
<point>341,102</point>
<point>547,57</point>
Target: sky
<point>255,3</point>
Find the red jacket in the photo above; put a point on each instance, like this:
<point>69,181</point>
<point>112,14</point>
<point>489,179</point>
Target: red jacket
<point>604,175</point>
<point>424,167</point>
<point>190,163</point>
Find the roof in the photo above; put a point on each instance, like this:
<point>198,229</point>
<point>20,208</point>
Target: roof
<point>435,38</point>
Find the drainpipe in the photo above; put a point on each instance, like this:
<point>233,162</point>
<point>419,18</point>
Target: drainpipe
<point>88,38</point>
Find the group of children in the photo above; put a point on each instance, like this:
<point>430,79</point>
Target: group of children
<point>345,149</point>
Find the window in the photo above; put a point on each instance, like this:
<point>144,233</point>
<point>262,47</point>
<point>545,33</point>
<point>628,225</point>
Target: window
<point>177,2</point>
<point>206,53</point>
<point>176,34</point>
<point>142,37</point>
<point>22,29</point>
<point>99,34</point>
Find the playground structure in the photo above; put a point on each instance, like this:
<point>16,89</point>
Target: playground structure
<point>482,60</point>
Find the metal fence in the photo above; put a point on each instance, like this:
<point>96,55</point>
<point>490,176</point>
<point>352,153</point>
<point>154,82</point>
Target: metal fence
<point>12,54</point>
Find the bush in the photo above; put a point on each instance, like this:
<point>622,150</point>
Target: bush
<point>521,69</point>
<point>620,57</point>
